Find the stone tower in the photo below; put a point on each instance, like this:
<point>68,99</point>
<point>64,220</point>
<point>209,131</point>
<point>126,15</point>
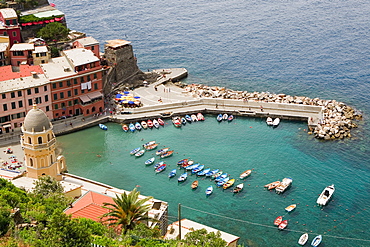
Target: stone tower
<point>39,144</point>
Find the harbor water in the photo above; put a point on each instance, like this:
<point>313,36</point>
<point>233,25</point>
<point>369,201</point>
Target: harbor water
<point>311,48</point>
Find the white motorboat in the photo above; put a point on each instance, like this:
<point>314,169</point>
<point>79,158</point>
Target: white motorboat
<point>283,185</point>
<point>276,122</point>
<point>269,121</point>
<point>325,195</point>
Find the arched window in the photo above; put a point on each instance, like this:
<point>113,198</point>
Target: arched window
<point>31,162</point>
<point>51,159</point>
<point>93,109</point>
<point>39,139</point>
<point>48,137</point>
<point>29,140</point>
<point>87,111</point>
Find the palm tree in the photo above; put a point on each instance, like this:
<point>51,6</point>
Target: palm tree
<point>128,210</point>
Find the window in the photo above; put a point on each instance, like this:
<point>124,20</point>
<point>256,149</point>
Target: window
<point>46,98</point>
<point>76,91</point>
<point>88,78</point>
<point>19,93</point>
<point>92,48</point>
<point>5,107</point>
<point>75,81</point>
<point>20,103</point>
<point>37,54</point>
<point>68,83</point>
<point>95,86</point>
<point>55,96</point>
<point>12,94</point>
<point>82,79</point>
<point>13,105</point>
<point>36,90</point>
<point>54,85</point>
<point>3,96</point>
<point>5,33</point>
<point>29,91</point>
<point>47,108</point>
<point>56,107</point>
<point>38,100</point>
<point>14,34</point>
<point>95,75</point>
<point>69,93</point>
<point>45,88</point>
<point>75,101</point>
<point>63,105</point>
<point>30,102</point>
<point>18,53</point>
<point>62,95</point>
<point>70,103</point>
<point>82,91</point>
<point>61,84</point>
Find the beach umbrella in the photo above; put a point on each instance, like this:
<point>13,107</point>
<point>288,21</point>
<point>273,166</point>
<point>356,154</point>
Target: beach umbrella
<point>131,102</point>
<point>118,95</point>
<point>125,92</point>
<point>137,97</point>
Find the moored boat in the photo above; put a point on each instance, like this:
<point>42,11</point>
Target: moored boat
<point>125,127</point>
<point>188,118</point>
<point>191,167</point>
<point>222,176</point>
<point>225,116</point>
<point>316,241</point>
<point>158,164</point>
<point>211,173</point>
<point>194,118</point>
<point>219,117</point>
<point>144,124</point>
<point>160,168</point>
<point>151,147</point>
<point>103,127</point>
<point>132,127</point>
<point>176,121</point>
<point>161,151</point>
<point>278,220</point>
<point>194,184</point>
<point>134,151</point>
<point>222,181</point>
<point>283,225</point>
<point>160,121</point>
<point>228,184</point>
<point>140,153</point>
<point>183,177</point>
<point>245,174</point>
<point>283,185</point>
<point>269,121</point>
<point>149,161</point>
<point>149,123</point>
<point>197,169</point>
<point>276,122</point>
<point>325,195</point>
<point>203,172</point>
<point>303,239</point>
<point>272,185</point>
<point>167,154</point>
<point>183,120</point>
<point>148,143</point>
<point>138,126</point>
<point>217,174</point>
<point>209,190</point>
<point>200,117</point>
<point>155,123</point>
<point>172,173</point>
<point>290,208</point>
<point>183,161</point>
<point>238,188</point>
<point>230,118</point>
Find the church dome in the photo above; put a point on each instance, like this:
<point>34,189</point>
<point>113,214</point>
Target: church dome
<point>36,120</point>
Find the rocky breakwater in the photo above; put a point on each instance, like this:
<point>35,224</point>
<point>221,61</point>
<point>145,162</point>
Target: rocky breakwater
<point>336,122</point>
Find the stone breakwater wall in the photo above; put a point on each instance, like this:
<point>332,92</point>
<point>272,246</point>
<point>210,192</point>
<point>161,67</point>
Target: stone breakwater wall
<point>336,121</point>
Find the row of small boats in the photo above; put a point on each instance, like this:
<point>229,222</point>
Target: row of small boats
<point>279,187</point>
<point>223,117</point>
<point>179,121</point>
<point>163,153</point>
<point>274,122</point>
<point>149,124</point>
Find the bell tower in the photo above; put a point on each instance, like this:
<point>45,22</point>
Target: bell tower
<point>39,144</point>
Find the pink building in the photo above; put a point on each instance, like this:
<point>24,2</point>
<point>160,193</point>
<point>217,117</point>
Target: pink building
<point>9,25</point>
<point>88,43</point>
<point>21,54</point>
<point>21,87</point>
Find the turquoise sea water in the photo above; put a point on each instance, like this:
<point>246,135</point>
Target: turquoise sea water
<point>314,48</point>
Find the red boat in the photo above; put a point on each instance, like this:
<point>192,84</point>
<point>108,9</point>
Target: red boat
<point>160,121</point>
<point>278,220</point>
<point>283,225</point>
<point>149,123</point>
<point>125,128</point>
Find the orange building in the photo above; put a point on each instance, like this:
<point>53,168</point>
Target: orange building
<point>88,43</point>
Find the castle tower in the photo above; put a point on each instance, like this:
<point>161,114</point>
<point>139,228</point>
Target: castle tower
<point>38,142</point>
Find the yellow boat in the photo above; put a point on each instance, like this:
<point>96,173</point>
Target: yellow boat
<point>272,185</point>
<point>228,183</point>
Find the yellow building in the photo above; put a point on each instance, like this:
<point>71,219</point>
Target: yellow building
<point>39,144</point>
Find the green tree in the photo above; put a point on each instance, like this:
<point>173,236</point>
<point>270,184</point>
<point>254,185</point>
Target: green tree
<point>127,210</point>
<point>203,238</point>
<point>46,186</point>
<point>54,31</point>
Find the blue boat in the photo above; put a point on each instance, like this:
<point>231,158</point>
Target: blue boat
<point>183,120</point>
<point>132,127</point>
<point>138,126</point>
<point>222,176</point>
<point>188,118</point>
<point>158,164</point>
<point>149,161</point>
<point>183,177</point>
<point>223,181</point>
<point>103,127</point>
<point>160,168</point>
<point>209,190</point>
<point>219,117</point>
<point>134,151</point>
<point>211,173</point>
<point>203,172</point>
<point>316,241</point>
<point>197,169</point>
<point>188,168</point>
<point>172,173</point>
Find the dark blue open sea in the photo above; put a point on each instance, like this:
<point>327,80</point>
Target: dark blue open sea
<point>316,48</point>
